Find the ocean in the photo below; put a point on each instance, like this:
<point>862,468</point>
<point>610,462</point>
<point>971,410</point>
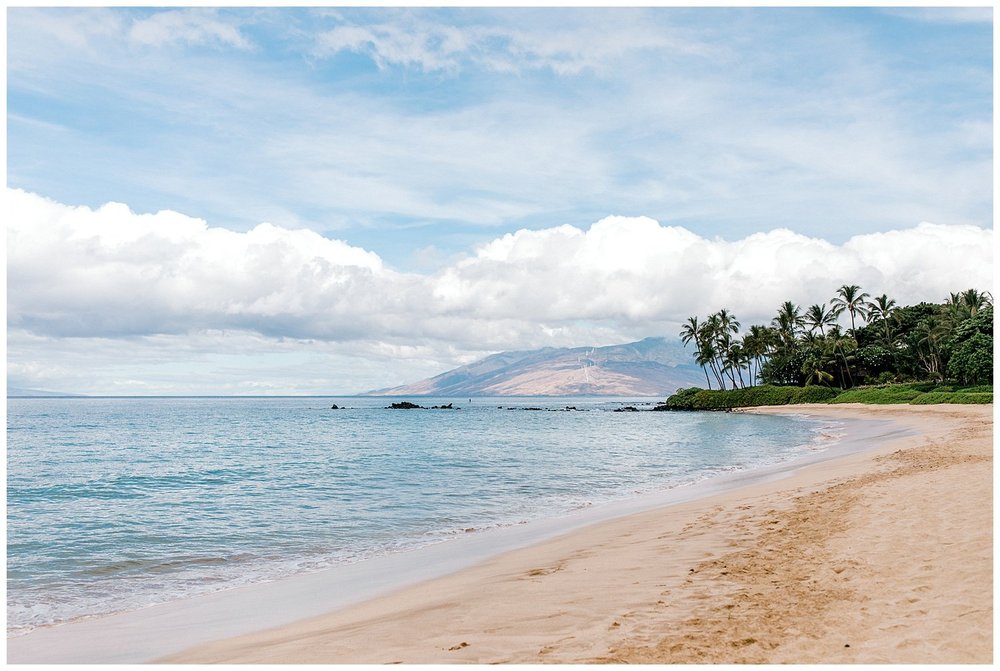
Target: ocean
<point>115,504</point>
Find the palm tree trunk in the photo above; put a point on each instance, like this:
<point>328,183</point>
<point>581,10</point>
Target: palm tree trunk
<point>715,371</point>
<point>847,367</point>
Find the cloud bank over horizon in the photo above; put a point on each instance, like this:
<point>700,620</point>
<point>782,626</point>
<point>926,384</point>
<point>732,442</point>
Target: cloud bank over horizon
<point>176,288</point>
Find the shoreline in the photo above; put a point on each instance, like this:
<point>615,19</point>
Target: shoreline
<point>873,564</point>
<point>408,624</point>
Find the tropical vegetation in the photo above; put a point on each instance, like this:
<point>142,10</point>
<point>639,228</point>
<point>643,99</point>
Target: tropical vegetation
<point>948,344</point>
<point>913,393</point>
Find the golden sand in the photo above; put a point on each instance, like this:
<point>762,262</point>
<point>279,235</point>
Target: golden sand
<point>885,556</point>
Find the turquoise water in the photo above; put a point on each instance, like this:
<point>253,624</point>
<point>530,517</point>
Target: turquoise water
<point>119,503</point>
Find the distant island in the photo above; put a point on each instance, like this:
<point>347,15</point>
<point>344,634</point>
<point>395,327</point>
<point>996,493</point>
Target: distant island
<point>648,367</point>
<point>21,392</point>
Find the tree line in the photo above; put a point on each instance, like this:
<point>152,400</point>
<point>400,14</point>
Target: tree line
<point>884,343</point>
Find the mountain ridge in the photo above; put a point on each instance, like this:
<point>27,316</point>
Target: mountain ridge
<point>650,367</point>
<point>22,392</point>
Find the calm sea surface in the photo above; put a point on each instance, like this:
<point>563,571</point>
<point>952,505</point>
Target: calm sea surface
<point>118,503</point>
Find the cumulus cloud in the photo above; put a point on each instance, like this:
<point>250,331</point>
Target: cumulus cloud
<point>113,273</point>
<point>636,270</point>
<point>79,272</point>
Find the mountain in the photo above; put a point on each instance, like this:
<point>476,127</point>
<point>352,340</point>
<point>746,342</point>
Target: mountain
<point>649,367</point>
<point>20,392</point>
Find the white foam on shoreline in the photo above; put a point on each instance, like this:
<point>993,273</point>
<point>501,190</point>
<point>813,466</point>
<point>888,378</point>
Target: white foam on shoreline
<point>148,634</point>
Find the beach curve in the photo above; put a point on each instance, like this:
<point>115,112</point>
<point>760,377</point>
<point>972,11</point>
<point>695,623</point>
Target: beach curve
<point>882,556</point>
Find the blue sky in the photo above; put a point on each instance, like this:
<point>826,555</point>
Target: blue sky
<point>424,136</point>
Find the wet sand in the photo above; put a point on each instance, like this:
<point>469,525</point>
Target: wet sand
<point>884,556</point>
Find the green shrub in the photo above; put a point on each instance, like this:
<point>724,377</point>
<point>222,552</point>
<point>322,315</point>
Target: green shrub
<point>715,399</point>
<point>920,393</point>
<point>683,399</point>
<point>815,394</point>
<point>978,389</point>
<point>935,397</point>
<point>900,393</point>
<point>971,359</point>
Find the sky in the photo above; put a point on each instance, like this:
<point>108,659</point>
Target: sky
<point>332,200</point>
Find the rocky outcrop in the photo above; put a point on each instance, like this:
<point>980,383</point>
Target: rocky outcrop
<point>406,405</point>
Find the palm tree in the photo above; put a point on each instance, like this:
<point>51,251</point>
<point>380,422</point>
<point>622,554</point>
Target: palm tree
<point>727,326</point>
<point>974,300</point>
<point>883,308</point>
<point>815,371</point>
<point>709,335</point>
<point>788,323</point>
<point>735,359</point>
<point>850,297</point>
<point>933,332</point>
<point>706,359</point>
<point>690,332</point>
<point>757,345</point>
<point>817,317</point>
<point>840,344</point>
<point>954,308</point>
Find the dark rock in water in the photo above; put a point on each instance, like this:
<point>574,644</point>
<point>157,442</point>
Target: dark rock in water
<point>531,408</point>
<point>444,407</point>
<point>662,406</point>
<point>403,405</point>
<point>627,408</point>
<point>571,407</point>
<point>334,407</point>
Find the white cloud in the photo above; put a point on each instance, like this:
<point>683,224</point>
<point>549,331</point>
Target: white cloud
<point>187,26</point>
<point>396,45</point>
<point>91,37</point>
<point>41,41</point>
<point>74,271</point>
<point>635,270</point>
<point>77,271</point>
<point>594,45</point>
<point>100,297</point>
<point>944,14</point>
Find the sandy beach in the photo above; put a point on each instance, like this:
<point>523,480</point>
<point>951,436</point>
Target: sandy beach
<point>880,557</point>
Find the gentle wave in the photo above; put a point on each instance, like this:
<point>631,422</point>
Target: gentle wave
<point>118,504</point>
